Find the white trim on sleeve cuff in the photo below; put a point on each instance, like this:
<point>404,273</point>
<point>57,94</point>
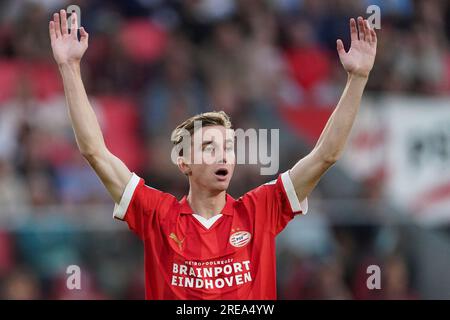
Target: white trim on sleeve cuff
<point>296,205</point>
<point>121,209</point>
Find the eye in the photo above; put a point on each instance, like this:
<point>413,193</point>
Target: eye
<point>208,148</point>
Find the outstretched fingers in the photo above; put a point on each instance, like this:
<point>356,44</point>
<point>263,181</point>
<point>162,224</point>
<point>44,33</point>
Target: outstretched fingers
<point>84,36</point>
<point>373,36</point>
<point>57,26</point>
<point>367,34</point>
<point>63,15</point>
<point>51,30</point>
<point>361,28</point>
<point>340,47</point>
<point>353,30</point>
<point>74,25</point>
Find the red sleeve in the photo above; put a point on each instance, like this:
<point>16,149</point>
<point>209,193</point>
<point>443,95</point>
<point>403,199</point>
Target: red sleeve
<point>275,203</point>
<point>138,205</point>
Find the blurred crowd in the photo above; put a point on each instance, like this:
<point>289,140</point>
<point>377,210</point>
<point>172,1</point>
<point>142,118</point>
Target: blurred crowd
<point>151,64</point>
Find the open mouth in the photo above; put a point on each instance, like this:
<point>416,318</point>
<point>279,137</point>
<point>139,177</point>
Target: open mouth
<point>221,172</point>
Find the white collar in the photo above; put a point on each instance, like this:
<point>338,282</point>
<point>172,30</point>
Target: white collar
<point>207,223</point>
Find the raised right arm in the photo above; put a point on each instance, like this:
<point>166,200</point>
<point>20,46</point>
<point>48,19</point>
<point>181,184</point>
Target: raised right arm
<point>67,51</point>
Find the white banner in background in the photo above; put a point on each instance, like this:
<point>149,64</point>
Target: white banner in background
<point>405,143</point>
<point>418,156</point>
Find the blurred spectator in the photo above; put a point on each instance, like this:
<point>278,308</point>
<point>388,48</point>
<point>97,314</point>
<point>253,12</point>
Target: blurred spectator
<point>21,284</point>
<point>397,280</point>
<point>14,195</point>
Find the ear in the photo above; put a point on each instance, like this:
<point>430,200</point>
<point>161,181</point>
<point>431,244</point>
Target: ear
<point>183,166</point>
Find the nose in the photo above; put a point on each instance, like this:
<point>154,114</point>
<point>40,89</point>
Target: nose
<point>222,160</point>
<point>222,157</point>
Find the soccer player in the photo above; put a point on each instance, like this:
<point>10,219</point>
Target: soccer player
<point>209,245</point>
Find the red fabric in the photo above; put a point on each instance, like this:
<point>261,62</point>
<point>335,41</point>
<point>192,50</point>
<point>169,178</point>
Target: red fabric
<point>9,78</point>
<point>121,130</point>
<point>308,66</point>
<point>233,259</point>
<point>6,253</point>
<point>44,79</point>
<point>41,78</point>
<point>143,40</point>
<point>307,121</point>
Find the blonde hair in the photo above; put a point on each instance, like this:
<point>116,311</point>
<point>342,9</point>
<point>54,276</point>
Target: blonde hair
<point>214,118</point>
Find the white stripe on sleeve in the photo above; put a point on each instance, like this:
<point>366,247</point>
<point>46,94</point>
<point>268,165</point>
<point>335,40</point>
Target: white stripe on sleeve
<point>296,205</point>
<point>121,208</point>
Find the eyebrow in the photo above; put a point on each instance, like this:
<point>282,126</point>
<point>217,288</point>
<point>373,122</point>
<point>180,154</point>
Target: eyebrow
<point>204,143</point>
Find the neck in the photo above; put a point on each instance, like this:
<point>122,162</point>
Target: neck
<point>205,203</point>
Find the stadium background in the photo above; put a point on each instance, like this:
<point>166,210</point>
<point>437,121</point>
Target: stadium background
<point>269,64</point>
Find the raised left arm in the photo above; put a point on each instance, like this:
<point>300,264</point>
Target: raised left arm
<point>358,62</point>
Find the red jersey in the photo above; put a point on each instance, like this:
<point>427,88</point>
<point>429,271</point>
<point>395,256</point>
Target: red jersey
<point>230,256</point>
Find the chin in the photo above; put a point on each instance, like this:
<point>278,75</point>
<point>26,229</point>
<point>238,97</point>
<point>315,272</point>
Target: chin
<point>221,186</point>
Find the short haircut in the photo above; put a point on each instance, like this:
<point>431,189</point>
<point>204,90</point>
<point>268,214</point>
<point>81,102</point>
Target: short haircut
<point>207,119</point>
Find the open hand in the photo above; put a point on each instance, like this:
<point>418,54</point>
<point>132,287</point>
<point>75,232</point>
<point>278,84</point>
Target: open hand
<point>361,56</point>
<point>65,46</point>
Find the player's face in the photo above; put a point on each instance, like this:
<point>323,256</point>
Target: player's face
<point>212,158</point>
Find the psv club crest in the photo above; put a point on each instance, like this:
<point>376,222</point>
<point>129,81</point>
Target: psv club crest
<point>240,238</point>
